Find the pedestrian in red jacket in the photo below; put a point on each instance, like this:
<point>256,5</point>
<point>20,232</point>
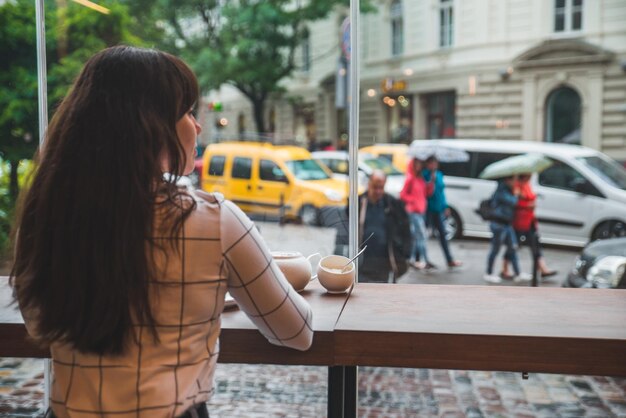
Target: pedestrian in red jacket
<point>525,226</point>
<point>414,194</point>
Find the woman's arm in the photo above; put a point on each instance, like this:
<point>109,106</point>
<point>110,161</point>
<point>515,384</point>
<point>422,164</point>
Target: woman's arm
<point>258,285</point>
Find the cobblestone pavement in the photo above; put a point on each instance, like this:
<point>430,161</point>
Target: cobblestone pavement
<point>259,391</point>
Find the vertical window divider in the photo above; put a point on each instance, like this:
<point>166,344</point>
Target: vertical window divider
<point>42,79</point>
<point>353,130</point>
<point>42,101</point>
<point>351,372</point>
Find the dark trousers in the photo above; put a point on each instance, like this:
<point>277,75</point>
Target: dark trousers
<point>197,411</point>
<point>530,238</point>
<point>438,220</point>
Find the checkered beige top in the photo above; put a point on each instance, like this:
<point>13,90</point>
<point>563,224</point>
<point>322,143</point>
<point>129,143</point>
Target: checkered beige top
<point>221,250</point>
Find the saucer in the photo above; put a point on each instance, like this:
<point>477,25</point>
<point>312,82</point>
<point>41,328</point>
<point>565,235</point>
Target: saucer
<point>337,292</point>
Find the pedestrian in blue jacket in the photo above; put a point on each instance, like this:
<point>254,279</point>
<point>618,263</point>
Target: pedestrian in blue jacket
<point>437,207</point>
<point>503,203</point>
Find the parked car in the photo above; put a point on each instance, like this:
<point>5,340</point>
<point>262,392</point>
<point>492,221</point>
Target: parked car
<point>337,162</point>
<point>602,264</point>
<point>396,153</point>
<point>580,198</point>
<point>272,180</point>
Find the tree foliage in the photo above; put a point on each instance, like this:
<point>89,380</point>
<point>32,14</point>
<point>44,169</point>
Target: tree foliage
<point>18,84</point>
<point>73,34</point>
<point>249,44</point>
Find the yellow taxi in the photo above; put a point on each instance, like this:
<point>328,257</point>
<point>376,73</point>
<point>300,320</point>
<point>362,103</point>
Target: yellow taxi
<point>396,153</point>
<point>273,180</point>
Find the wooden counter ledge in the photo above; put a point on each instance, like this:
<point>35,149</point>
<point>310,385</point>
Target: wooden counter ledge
<point>552,330</point>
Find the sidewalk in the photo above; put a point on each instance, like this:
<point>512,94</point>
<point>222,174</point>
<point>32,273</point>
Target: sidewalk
<point>259,391</point>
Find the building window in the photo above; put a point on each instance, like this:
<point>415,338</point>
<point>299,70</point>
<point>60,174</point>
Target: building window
<point>563,116</point>
<point>446,23</point>
<point>306,53</point>
<point>441,115</point>
<point>397,28</point>
<point>568,15</point>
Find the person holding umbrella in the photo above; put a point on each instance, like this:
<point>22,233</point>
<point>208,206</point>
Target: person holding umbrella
<point>503,202</point>
<point>525,227</point>
<point>524,222</point>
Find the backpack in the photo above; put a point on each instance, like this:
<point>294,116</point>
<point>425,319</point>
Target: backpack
<point>486,211</point>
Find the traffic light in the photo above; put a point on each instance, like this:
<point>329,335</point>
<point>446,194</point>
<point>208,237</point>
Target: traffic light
<point>215,106</point>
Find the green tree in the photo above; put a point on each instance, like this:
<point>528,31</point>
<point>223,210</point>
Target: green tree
<point>73,34</point>
<point>18,86</point>
<point>249,44</point>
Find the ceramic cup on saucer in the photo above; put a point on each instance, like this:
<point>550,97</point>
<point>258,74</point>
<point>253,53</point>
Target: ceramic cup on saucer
<point>296,267</point>
<point>335,274</point>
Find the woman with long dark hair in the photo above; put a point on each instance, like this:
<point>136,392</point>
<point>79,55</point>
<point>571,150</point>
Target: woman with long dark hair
<point>120,271</point>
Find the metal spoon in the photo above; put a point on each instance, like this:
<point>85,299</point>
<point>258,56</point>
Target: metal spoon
<point>353,258</point>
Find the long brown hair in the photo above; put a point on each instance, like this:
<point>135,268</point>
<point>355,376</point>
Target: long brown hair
<point>84,249</point>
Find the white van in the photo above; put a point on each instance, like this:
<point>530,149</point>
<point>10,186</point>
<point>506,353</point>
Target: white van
<point>581,197</point>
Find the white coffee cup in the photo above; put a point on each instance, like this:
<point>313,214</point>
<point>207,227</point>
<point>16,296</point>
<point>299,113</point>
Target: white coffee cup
<point>335,274</point>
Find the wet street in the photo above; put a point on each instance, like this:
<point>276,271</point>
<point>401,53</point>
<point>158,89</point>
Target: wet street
<point>289,391</point>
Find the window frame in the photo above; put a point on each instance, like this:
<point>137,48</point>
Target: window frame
<point>305,54</point>
<point>446,24</point>
<point>445,4</point>
<point>551,107</point>
<point>566,187</point>
<point>567,12</point>
<point>396,21</point>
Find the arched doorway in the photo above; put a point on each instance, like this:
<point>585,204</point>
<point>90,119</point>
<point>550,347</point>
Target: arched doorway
<point>563,116</point>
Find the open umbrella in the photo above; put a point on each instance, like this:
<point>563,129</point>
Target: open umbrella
<point>423,150</point>
<point>519,164</point>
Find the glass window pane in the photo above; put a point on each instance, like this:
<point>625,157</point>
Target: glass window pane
<point>560,176</point>
<point>306,117</point>
<point>308,169</point>
<point>563,116</point>
<point>269,170</point>
<point>577,20</point>
<point>608,170</point>
<point>242,168</point>
<point>216,166</point>
<point>559,22</point>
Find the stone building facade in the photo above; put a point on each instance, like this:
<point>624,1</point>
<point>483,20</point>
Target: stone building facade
<point>495,69</point>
